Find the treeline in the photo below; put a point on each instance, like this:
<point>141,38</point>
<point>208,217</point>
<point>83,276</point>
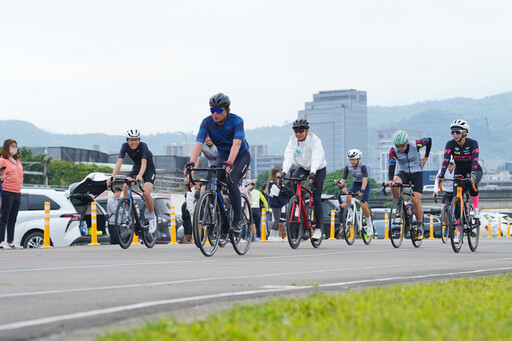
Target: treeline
<point>59,173</point>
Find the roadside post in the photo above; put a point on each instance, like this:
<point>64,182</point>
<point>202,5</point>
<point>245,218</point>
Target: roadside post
<point>431,227</point>
<point>46,243</point>
<point>333,219</point>
<point>386,226</point>
<point>263,225</point>
<point>173,227</point>
<point>94,226</point>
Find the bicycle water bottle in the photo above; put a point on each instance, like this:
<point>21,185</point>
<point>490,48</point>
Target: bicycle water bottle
<point>137,209</point>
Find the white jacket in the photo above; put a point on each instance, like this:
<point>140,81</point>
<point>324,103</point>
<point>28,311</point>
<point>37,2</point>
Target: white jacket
<point>448,185</point>
<point>308,154</point>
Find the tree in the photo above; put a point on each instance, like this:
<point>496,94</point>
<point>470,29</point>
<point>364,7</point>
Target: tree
<point>64,173</point>
<point>34,163</point>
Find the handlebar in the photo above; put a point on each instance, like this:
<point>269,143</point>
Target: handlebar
<point>129,182</point>
<point>189,171</point>
<point>398,185</point>
<point>458,178</point>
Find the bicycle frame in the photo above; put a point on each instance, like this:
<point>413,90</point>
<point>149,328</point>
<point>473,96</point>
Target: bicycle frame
<point>302,205</point>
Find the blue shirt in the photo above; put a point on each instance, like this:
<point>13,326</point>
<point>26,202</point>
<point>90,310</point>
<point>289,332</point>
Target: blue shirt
<point>222,136</point>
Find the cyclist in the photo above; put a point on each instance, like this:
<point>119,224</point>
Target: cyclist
<point>226,130</point>
<point>407,154</point>
<point>361,186</point>
<point>465,153</point>
<point>306,151</point>
<point>143,170</point>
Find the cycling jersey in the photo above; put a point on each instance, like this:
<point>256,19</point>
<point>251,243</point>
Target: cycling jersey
<point>141,152</point>
<point>223,135</point>
<point>465,157</point>
<point>308,154</point>
<point>358,172</point>
<point>409,161</point>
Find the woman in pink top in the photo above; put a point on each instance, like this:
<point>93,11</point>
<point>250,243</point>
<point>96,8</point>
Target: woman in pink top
<point>11,194</point>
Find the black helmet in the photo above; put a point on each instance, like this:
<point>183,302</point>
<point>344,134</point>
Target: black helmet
<point>301,123</point>
<point>219,101</point>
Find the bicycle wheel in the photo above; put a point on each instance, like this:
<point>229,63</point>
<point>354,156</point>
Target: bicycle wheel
<point>206,225</point>
<point>294,223</point>
<point>456,224</point>
<point>311,218</point>
<point>242,242</point>
<point>472,228</point>
<point>445,223</point>
<point>396,223</point>
<point>125,223</point>
<point>349,224</point>
<point>368,231</point>
<point>148,238</point>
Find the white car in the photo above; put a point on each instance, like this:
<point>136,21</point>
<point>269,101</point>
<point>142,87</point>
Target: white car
<point>64,219</point>
<point>494,221</point>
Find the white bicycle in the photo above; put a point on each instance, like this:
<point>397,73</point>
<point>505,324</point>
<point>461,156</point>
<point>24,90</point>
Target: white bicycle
<point>354,222</point>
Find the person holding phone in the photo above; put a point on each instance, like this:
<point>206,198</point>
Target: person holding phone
<point>11,194</point>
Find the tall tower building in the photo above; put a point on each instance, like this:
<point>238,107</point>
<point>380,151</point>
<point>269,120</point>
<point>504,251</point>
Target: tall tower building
<point>339,118</point>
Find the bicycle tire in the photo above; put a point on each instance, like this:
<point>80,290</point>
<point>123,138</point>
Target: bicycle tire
<point>125,223</point>
<point>367,238</point>
<point>294,223</point>
<point>473,229</point>
<point>445,222</point>
<point>206,225</point>
<point>148,238</point>
<point>396,223</point>
<point>456,235</point>
<point>310,216</point>
<point>349,225</point>
<point>242,242</point>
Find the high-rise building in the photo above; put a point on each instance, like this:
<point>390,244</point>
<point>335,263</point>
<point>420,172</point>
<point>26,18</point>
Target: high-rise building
<point>339,119</point>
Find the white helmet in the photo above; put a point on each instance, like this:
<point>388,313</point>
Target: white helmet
<point>132,134</point>
<point>354,154</point>
<point>460,124</point>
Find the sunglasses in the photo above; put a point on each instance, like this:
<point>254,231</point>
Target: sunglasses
<point>456,132</point>
<point>400,145</point>
<point>299,131</point>
<point>217,110</point>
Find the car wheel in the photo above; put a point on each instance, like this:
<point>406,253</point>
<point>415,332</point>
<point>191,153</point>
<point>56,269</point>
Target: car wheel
<point>34,240</point>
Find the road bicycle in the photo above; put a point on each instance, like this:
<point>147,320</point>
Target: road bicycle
<point>401,218</point>
<point>461,219</point>
<point>300,215</point>
<point>213,215</point>
<point>130,219</point>
<point>354,222</point>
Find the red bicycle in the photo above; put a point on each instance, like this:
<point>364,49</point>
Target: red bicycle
<point>300,215</point>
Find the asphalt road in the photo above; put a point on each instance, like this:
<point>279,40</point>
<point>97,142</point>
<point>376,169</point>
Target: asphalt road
<point>82,291</point>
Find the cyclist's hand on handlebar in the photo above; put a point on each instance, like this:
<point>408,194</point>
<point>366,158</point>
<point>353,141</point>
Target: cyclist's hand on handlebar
<point>311,177</point>
<point>228,166</point>
<point>111,180</point>
<point>283,174</point>
<point>435,195</point>
<point>138,178</point>
<point>473,176</point>
<point>390,183</point>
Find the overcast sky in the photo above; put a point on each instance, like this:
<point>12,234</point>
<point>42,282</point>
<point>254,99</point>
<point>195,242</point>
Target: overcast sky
<point>105,66</point>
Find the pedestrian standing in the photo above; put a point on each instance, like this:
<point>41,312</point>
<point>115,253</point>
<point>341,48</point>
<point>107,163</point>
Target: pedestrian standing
<point>11,194</point>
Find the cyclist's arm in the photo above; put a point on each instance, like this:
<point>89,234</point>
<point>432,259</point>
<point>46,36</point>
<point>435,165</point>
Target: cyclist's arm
<point>424,142</point>
<point>318,154</point>
<point>288,156</point>
<point>474,156</point>
<point>117,167</point>
<point>392,164</point>
<point>365,178</point>
<point>345,175</point>
<point>143,165</point>
<point>235,148</point>
<point>446,159</point>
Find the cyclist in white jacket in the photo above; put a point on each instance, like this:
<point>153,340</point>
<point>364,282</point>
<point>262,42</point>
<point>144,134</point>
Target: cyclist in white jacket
<point>306,151</point>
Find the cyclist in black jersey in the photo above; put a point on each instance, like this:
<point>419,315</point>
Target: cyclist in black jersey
<point>465,153</point>
<point>143,169</point>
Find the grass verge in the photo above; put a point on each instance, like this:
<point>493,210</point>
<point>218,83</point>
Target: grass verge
<point>456,309</point>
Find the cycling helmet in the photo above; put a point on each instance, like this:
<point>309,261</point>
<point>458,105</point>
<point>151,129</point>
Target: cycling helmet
<point>300,123</point>
<point>132,134</point>
<point>400,138</point>
<point>459,124</point>
<point>220,101</point>
<point>354,154</point>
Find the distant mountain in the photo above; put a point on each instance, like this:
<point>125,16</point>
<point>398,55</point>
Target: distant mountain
<point>434,117</point>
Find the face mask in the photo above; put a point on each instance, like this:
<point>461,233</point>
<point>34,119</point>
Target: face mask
<point>13,151</point>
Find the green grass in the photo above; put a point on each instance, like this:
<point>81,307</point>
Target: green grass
<point>458,309</point>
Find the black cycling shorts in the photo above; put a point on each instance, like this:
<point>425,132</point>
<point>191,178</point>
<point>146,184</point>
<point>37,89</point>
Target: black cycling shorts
<point>415,178</point>
<point>149,174</point>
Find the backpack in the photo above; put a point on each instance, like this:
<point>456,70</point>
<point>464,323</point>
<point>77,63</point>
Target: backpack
<point>284,195</point>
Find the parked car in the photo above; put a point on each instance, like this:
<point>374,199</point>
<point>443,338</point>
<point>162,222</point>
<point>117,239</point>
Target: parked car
<point>64,218</point>
<point>494,221</point>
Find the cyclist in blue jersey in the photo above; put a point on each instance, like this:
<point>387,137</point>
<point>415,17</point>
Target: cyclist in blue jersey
<point>407,154</point>
<point>143,169</point>
<point>226,130</point>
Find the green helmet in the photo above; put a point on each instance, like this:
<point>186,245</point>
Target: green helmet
<point>400,138</point>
